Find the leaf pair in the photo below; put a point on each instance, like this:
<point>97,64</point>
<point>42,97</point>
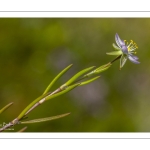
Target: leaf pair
<point>67,86</point>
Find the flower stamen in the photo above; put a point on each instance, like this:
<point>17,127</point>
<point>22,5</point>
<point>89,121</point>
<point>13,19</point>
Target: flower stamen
<point>132,46</point>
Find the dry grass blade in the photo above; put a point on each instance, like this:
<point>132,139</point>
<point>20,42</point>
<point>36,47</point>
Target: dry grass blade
<point>44,119</point>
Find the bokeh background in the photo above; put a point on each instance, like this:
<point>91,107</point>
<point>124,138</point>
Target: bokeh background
<point>34,50</point>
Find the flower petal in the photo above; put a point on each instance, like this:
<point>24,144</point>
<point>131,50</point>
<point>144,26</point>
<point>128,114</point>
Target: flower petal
<point>133,56</point>
<point>114,53</point>
<point>119,42</point>
<point>123,60</point>
<point>124,49</point>
<point>132,59</point>
<point>116,47</point>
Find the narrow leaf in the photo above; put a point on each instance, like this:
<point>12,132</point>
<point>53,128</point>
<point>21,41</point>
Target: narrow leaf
<point>47,97</point>
<point>24,118</point>
<point>31,105</point>
<point>89,81</point>
<point>102,68</point>
<point>115,53</point>
<point>5,107</point>
<point>98,70</point>
<point>56,78</point>
<point>45,119</point>
<point>78,75</point>
<point>62,92</point>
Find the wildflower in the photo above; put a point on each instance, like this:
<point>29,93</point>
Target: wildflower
<point>125,50</point>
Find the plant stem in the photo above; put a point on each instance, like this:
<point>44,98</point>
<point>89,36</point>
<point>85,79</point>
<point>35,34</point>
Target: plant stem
<point>40,100</point>
<point>115,59</point>
<point>111,62</point>
<point>28,109</point>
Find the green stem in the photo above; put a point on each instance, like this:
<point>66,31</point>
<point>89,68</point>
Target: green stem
<point>47,96</point>
<point>86,76</point>
<point>115,59</point>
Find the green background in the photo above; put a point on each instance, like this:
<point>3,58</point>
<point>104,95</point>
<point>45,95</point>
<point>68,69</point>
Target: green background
<point>34,50</point>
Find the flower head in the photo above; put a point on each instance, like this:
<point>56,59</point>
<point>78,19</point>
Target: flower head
<point>125,50</point>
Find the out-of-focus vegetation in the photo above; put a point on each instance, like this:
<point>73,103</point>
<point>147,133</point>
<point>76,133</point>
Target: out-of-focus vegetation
<point>33,51</point>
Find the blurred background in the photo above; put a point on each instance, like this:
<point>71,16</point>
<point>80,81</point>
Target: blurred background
<point>34,50</point>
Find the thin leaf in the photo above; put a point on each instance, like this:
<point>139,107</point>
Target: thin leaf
<point>23,129</point>
<point>6,107</point>
<point>89,81</point>
<point>102,68</point>
<point>24,118</point>
<point>78,75</point>
<point>62,92</point>
<point>56,78</point>
<point>44,119</point>
<point>31,105</point>
<point>46,97</point>
<point>98,70</point>
<point>114,53</point>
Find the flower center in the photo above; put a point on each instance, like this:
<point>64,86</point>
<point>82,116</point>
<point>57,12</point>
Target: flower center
<point>131,46</point>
